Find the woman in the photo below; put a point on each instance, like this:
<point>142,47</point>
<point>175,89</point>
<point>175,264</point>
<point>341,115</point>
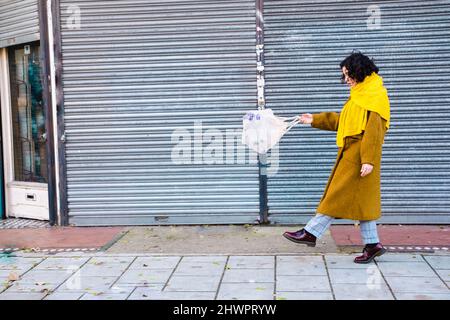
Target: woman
<point>353,189</point>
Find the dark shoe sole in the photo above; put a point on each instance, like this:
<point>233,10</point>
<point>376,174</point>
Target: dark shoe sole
<point>309,244</point>
<point>379,253</point>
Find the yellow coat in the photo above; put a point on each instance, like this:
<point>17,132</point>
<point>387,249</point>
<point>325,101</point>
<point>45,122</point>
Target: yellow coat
<point>347,195</point>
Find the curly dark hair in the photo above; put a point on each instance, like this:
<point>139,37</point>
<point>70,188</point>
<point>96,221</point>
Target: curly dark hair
<point>359,66</point>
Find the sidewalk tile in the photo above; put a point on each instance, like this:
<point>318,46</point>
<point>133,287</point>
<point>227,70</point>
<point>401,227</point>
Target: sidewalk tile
<point>155,262</point>
<point>200,268</point>
<point>439,262</point>
<point>343,262</point>
<point>444,274</point>
<point>47,276</point>
<point>212,259</point>
<point>14,263</point>
<point>103,296</point>
<point>144,294</point>
<point>61,263</point>
<point>249,275</point>
<point>417,284</point>
<point>143,276</point>
<point>300,265</point>
<point>64,295</point>
<point>400,257</point>
<point>251,262</point>
<point>246,291</point>
<point>105,270</point>
<point>193,283</point>
<point>362,292</point>
<point>312,295</point>
<point>22,296</point>
<point>356,276</point>
<point>414,269</point>
<point>111,260</point>
<point>19,286</point>
<point>303,283</point>
<point>422,296</point>
<point>84,283</point>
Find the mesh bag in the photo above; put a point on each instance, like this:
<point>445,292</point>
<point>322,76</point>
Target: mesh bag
<point>262,129</point>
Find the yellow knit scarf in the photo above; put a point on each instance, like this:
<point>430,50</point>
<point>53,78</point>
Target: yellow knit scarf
<point>369,95</point>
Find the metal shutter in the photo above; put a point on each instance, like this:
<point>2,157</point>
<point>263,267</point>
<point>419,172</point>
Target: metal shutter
<point>304,43</point>
<point>19,22</point>
<point>133,73</point>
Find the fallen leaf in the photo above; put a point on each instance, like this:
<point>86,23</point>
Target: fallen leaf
<point>13,276</point>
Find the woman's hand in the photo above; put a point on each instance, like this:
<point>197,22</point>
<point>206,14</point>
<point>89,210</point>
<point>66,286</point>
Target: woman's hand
<point>306,118</point>
<point>366,169</point>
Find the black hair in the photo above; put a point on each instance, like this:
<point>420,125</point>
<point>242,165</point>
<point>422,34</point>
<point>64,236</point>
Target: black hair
<point>359,66</point>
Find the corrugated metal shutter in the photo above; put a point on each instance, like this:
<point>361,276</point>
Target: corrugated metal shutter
<point>133,73</point>
<point>304,43</point>
<point>19,22</point>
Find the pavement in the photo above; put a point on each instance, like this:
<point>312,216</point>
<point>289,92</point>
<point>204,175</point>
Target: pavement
<point>231,262</point>
<point>104,276</point>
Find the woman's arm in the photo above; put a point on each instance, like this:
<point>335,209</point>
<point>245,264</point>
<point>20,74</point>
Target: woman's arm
<point>326,121</point>
<point>372,139</point>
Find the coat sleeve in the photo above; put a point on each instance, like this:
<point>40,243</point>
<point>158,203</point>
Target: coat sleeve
<point>372,139</point>
<point>326,121</point>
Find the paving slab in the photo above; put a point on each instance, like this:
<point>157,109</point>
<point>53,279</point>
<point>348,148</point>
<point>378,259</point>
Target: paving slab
<point>444,274</point>
<point>301,265</point>
<point>416,269</point>
<point>57,263</point>
<point>144,294</point>
<point>246,291</point>
<point>144,276</point>
<point>438,262</point>
<point>303,295</point>
<point>193,283</point>
<point>105,270</point>
<point>249,275</point>
<point>370,275</point>
<point>14,263</point>
<point>22,296</point>
<point>37,287</point>
<point>155,262</point>
<point>361,292</point>
<point>56,295</point>
<point>343,261</point>
<point>416,284</point>
<point>103,296</point>
<point>46,276</point>
<point>303,283</point>
<point>78,282</point>
<point>251,262</point>
<point>422,296</point>
<point>123,260</point>
<point>400,257</point>
<point>199,268</point>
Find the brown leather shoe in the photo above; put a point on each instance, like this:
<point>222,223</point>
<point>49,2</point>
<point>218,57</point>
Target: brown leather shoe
<point>370,253</point>
<point>301,236</point>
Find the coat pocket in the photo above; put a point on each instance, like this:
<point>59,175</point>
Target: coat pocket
<point>351,151</point>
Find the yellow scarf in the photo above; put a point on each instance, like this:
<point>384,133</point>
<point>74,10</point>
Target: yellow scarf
<point>369,95</point>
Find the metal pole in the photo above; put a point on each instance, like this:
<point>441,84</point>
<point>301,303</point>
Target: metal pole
<point>262,159</point>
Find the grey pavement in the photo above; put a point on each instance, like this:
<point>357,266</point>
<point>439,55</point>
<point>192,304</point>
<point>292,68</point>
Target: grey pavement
<point>114,276</point>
